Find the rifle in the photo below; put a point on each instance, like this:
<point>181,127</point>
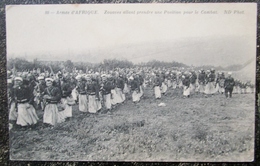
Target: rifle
<point>44,101</point>
<point>51,69</point>
<point>10,100</point>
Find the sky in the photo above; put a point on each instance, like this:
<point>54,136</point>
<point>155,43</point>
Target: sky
<point>194,39</point>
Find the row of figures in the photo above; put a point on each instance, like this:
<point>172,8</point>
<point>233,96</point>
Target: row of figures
<point>96,92</point>
<point>207,83</point>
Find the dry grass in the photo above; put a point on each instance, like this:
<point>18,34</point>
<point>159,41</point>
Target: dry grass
<point>192,129</point>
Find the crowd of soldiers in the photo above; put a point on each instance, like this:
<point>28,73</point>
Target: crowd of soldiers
<point>92,91</point>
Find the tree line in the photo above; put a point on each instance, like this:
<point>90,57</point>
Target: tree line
<point>21,64</point>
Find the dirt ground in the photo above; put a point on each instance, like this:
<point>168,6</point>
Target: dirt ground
<point>193,129</point>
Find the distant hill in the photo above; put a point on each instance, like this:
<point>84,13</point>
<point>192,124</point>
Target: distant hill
<point>247,71</point>
<point>196,51</point>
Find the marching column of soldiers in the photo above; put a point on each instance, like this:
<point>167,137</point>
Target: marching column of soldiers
<point>93,92</point>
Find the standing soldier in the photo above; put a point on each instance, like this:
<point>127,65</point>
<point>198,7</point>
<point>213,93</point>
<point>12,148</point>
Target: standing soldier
<point>229,84</point>
<point>135,88</point>
<point>179,79</point>
<point>119,88</point>
<point>164,83</point>
<point>66,99</point>
<point>141,82</point>
<point>52,97</point>
<point>126,85</point>
<point>220,82</point>
<point>114,96</point>
<point>11,102</point>
<point>94,104</point>
<point>243,87</point>
<point>174,79</point>
<point>106,87</point>
<point>201,81</point>
<point>210,85</point>
<point>82,95</point>
<point>169,80</point>
<point>31,84</point>
<point>38,93</point>
<point>193,79</point>
<point>26,112</point>
<point>156,86</point>
<point>74,92</point>
<point>186,85</point>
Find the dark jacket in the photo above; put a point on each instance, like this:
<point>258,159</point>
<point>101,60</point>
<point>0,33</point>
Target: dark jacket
<point>229,83</point>
<point>134,84</point>
<point>23,94</point>
<point>211,77</point>
<point>186,81</point>
<point>93,89</point>
<point>157,81</point>
<point>66,89</point>
<point>81,87</point>
<point>54,93</point>
<point>106,88</point>
<point>193,78</point>
<point>120,83</point>
<point>201,78</point>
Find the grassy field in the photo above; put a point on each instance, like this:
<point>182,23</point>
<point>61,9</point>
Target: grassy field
<point>193,129</point>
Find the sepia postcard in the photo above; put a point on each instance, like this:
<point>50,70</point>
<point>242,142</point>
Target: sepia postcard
<point>132,82</point>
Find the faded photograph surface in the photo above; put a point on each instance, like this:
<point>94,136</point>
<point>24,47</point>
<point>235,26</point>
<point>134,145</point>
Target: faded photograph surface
<point>131,82</point>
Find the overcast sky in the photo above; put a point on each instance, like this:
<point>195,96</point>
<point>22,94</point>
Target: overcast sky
<point>197,39</point>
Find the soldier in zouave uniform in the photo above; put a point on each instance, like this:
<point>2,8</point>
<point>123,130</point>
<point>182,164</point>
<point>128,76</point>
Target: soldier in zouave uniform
<point>11,102</point>
<point>156,86</point>
<point>114,96</point>
<point>94,104</point>
<point>135,88</point>
<point>38,93</point>
<point>66,99</point>
<point>193,79</point>
<point>220,82</point>
<point>169,79</point>
<point>31,84</point>
<point>126,89</point>
<point>186,85</point>
<point>179,79</point>
<point>52,96</point>
<point>201,81</point>
<point>82,95</point>
<point>243,87</point>
<point>24,99</point>
<point>210,83</point>
<point>174,79</point>
<point>164,83</point>
<point>229,85</point>
<point>74,92</point>
<point>106,87</point>
<point>141,82</point>
<point>119,88</point>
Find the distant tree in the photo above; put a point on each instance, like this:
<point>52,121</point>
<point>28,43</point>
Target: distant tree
<point>160,64</point>
<point>69,66</point>
<point>110,64</point>
<point>20,64</point>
